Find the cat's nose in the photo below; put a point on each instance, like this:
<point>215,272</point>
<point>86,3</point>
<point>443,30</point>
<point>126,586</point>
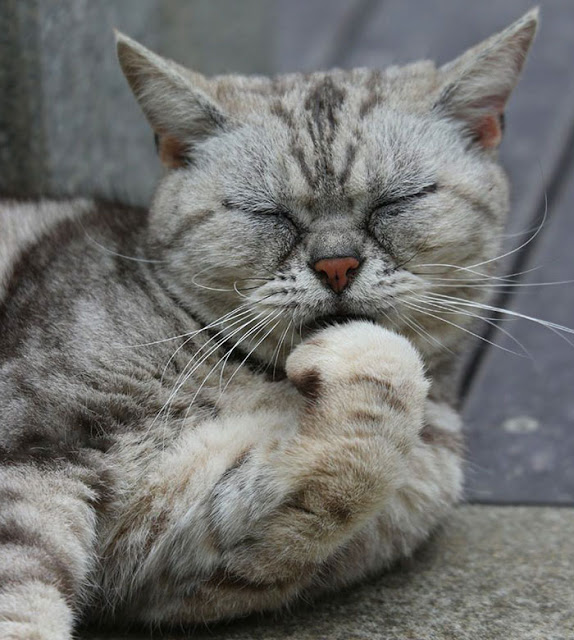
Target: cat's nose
<point>336,271</point>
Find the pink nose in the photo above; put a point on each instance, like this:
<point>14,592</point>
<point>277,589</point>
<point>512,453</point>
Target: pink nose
<point>337,271</point>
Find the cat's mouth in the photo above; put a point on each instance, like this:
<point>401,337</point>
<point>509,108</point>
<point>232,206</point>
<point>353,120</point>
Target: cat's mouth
<point>329,320</point>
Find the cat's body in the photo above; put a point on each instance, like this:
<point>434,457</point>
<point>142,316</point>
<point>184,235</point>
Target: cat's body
<point>180,438</point>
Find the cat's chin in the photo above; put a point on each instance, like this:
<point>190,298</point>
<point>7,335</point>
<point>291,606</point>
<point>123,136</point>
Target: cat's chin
<point>329,320</point>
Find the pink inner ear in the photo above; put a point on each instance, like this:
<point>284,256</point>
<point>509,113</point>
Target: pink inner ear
<point>488,127</point>
<point>489,131</point>
<point>171,151</point>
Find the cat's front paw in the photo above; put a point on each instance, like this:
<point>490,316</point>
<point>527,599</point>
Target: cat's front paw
<point>358,351</point>
<point>365,392</point>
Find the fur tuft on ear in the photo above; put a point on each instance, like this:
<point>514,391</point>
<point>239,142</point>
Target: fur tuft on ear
<point>174,100</point>
<point>476,86</point>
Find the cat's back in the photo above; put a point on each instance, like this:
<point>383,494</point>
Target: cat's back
<point>66,267</point>
<point>70,269</point>
<point>64,247</point>
<point>71,290</point>
<point>24,223</point>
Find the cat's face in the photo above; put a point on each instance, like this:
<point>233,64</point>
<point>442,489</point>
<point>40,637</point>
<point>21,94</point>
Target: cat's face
<point>361,193</point>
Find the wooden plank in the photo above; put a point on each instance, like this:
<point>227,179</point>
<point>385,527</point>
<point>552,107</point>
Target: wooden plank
<point>520,412</point>
<point>520,415</point>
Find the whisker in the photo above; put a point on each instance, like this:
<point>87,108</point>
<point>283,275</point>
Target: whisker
<point>219,343</point>
<point>189,333</point>
<point>226,356</point>
<point>254,330</point>
<point>507,278</point>
<point>115,253</point>
<point>483,276</point>
<point>186,374</point>
<point>427,336</point>
<point>450,309</point>
<point>252,350</point>
<point>235,316</point>
<point>524,244</point>
<point>516,314</point>
<point>212,267</point>
<point>503,255</point>
<point>238,317</point>
<point>278,348</point>
<point>510,285</point>
<point>453,324</point>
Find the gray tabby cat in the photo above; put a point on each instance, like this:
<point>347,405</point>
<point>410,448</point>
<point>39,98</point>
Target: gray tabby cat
<point>245,396</point>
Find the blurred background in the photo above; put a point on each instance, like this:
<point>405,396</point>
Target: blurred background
<point>68,124</point>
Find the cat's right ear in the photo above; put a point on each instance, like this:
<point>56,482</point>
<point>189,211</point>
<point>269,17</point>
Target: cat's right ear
<point>174,100</point>
<point>478,84</point>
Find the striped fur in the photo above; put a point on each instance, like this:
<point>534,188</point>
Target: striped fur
<point>193,426</point>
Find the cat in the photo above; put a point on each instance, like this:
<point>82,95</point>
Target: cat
<point>246,396</point>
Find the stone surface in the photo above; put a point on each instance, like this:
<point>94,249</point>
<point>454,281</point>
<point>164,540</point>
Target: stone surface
<point>493,573</point>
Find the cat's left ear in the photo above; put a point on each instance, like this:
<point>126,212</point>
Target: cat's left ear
<point>176,101</point>
<point>477,85</point>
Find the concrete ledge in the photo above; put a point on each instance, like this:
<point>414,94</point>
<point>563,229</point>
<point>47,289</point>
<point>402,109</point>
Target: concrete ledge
<point>493,573</point>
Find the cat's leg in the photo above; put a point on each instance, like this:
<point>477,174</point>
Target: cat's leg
<point>251,510</point>
<point>47,526</point>
<point>378,464</point>
<point>431,486</point>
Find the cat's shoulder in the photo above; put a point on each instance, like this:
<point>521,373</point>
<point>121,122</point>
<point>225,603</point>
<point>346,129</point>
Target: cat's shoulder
<point>52,223</point>
<point>24,222</point>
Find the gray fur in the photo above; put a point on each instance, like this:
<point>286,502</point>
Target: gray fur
<point>181,440</point>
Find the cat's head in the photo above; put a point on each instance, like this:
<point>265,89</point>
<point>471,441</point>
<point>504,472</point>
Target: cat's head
<point>342,193</point>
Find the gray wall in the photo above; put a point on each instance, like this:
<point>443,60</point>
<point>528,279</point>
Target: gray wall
<point>68,123</point>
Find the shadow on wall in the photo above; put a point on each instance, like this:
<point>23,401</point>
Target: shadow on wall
<point>68,123</point>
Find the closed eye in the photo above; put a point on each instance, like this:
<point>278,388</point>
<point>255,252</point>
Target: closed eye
<point>256,209</point>
<point>391,203</point>
<point>262,210</point>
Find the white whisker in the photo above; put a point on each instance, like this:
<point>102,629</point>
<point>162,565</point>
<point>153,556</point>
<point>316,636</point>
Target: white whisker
<point>278,348</point>
<point>516,314</point>
<point>252,350</point>
<point>115,253</point>
<point>444,307</point>
<point>472,267</point>
<point>453,324</point>
<point>234,317</point>
<point>186,374</point>
<point>254,330</point>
